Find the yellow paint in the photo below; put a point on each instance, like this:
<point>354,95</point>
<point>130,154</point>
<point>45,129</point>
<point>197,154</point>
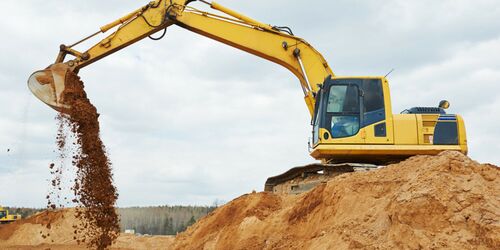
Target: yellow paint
<point>405,129</point>
<point>355,150</point>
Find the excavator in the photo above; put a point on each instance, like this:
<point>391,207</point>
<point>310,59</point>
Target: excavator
<point>353,125</point>
<point>5,217</point>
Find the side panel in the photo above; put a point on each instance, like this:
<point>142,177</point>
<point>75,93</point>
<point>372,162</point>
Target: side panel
<point>379,133</point>
<point>405,129</point>
<point>426,124</point>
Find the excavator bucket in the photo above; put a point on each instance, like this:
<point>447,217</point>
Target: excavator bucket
<point>48,85</point>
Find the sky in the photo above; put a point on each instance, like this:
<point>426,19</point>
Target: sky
<point>187,120</point>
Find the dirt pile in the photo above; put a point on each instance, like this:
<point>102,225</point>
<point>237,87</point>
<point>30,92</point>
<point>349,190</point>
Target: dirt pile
<point>54,227</point>
<point>93,186</point>
<point>44,219</point>
<point>25,234</point>
<point>426,202</point>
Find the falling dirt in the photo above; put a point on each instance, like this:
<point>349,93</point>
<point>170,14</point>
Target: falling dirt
<point>446,201</point>
<point>95,194</point>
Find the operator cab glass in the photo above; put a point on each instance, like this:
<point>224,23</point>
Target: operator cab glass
<point>344,106</point>
<point>3,214</point>
<point>343,110</point>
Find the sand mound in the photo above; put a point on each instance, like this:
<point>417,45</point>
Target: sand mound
<point>29,234</point>
<point>426,202</point>
<point>444,201</point>
<point>33,230</point>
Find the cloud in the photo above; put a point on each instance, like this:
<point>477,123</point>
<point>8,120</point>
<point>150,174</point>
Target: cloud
<point>469,80</point>
<point>187,120</point>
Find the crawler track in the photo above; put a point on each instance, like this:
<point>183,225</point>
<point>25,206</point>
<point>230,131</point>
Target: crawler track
<point>301,179</point>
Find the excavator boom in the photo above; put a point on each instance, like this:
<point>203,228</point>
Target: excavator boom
<point>229,27</point>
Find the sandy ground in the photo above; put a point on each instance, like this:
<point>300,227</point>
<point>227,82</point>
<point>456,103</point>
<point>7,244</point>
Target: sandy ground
<point>446,201</point>
<point>426,202</point>
<point>33,233</point>
<point>124,242</point>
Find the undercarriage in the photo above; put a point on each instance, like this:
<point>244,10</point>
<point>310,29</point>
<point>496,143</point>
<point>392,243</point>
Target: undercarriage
<point>301,179</point>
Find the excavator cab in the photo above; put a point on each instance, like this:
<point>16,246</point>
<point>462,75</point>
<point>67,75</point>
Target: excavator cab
<point>353,122</point>
<point>345,106</point>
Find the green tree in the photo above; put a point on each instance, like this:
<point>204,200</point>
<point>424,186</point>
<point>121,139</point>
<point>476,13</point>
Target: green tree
<point>191,221</point>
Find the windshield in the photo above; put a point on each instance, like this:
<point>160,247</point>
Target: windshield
<point>3,214</point>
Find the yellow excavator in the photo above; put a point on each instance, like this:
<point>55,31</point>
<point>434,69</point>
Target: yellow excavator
<point>5,217</point>
<point>353,125</point>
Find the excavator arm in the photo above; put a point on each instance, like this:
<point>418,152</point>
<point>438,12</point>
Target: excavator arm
<point>276,44</point>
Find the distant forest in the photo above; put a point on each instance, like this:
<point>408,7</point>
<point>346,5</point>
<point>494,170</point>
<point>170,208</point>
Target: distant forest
<point>160,220</point>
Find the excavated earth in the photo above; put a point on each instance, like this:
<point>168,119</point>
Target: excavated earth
<point>446,201</point>
<point>54,229</point>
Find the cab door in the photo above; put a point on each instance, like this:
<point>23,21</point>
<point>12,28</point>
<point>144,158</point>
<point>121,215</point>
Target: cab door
<point>342,116</point>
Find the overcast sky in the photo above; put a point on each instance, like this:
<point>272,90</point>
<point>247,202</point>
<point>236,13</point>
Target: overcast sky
<point>187,120</point>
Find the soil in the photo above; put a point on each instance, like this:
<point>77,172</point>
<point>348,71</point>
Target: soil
<point>25,234</point>
<point>95,195</point>
<point>45,79</point>
<point>45,218</point>
<point>446,201</point>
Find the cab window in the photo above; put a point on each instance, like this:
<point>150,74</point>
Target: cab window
<point>343,110</point>
<point>373,102</point>
<point>373,95</point>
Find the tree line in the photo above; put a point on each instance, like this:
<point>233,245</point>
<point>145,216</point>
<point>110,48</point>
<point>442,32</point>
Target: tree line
<point>161,220</point>
<point>154,220</point>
